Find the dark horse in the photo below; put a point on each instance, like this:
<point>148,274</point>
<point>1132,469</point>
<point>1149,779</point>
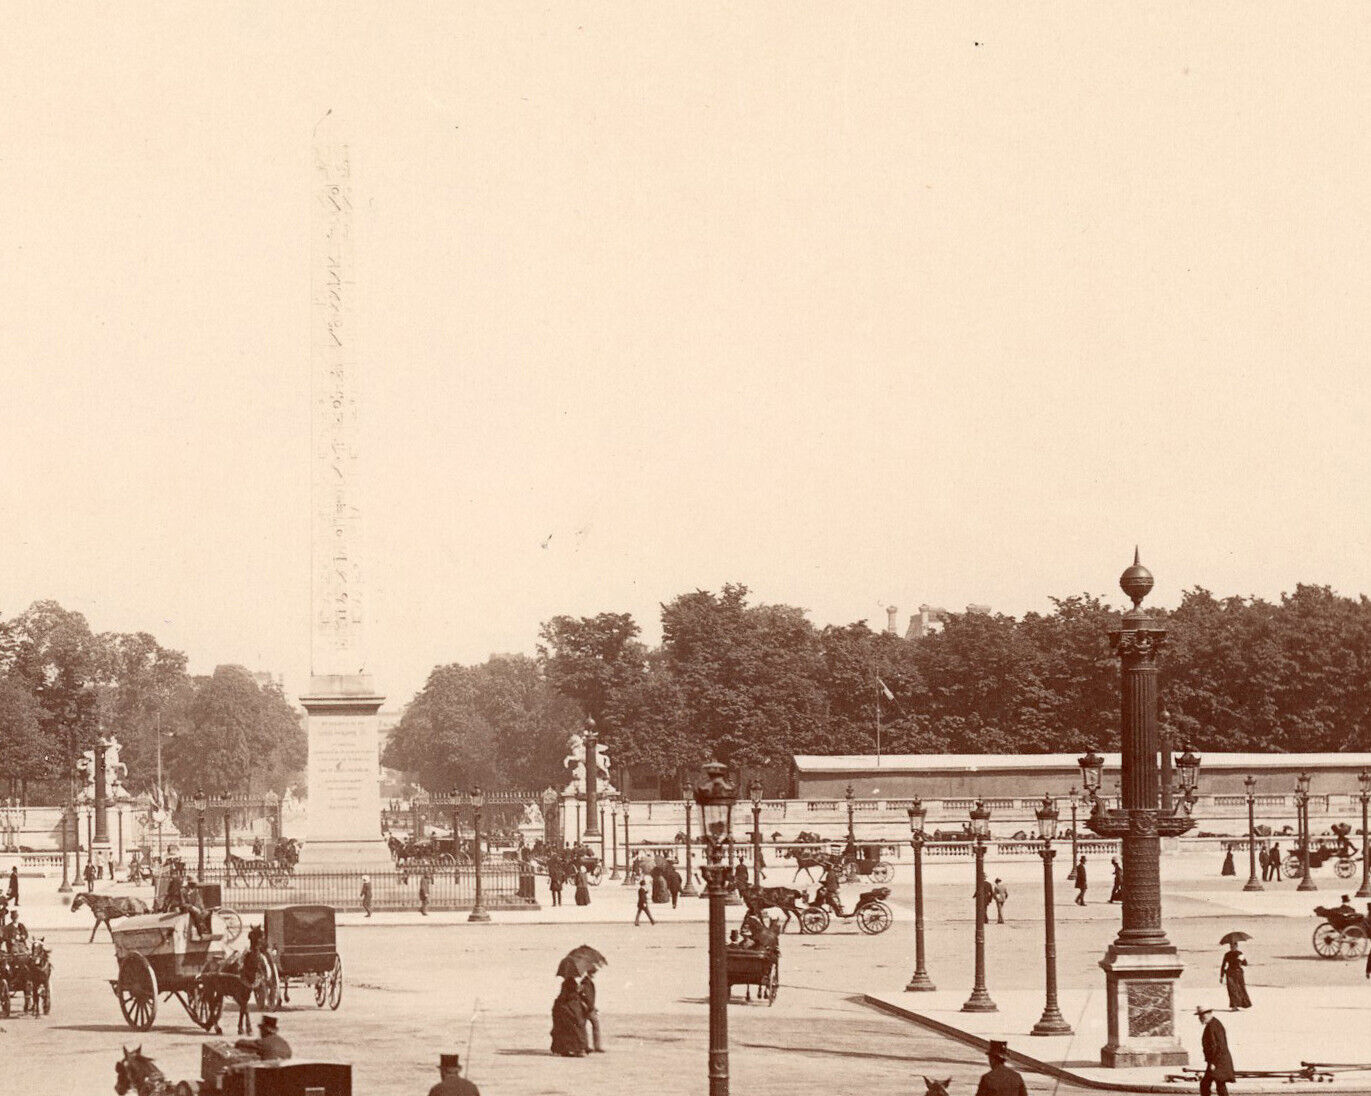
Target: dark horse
<point>107,908</point>
<point>778,898</point>
<point>230,980</point>
<point>135,1072</point>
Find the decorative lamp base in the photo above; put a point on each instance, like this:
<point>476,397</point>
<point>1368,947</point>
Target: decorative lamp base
<point>980,1001</point>
<point>1051,1023</point>
<point>920,983</point>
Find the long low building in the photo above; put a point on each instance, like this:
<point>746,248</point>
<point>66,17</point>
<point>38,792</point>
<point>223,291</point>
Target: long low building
<point>1008,776</point>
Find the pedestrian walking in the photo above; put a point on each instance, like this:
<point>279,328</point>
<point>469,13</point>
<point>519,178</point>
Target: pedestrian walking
<point>452,1083</point>
<point>1275,858</point>
<point>673,883</point>
<point>425,880</point>
<point>1080,882</point>
<point>366,894</point>
<point>554,881</point>
<point>643,907</point>
<point>1228,868</point>
<point>1264,859</point>
<point>1231,975</point>
<point>1001,895</point>
<point>1116,891</point>
<point>13,891</point>
<point>90,877</point>
<point>569,1021</point>
<point>661,893</point>
<point>1218,1062</point>
<point>1000,1080</point>
<point>582,888</point>
<point>592,1012</point>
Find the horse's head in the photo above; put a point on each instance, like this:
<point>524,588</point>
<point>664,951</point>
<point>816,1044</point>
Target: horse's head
<point>936,1088</point>
<point>76,903</point>
<point>135,1071</point>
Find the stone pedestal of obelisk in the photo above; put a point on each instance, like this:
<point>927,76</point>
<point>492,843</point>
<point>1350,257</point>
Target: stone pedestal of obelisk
<point>344,811</point>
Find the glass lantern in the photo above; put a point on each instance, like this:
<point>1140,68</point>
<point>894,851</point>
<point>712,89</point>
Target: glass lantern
<point>200,800</point>
<point>980,820</point>
<point>1188,771</point>
<point>476,798</point>
<point>1364,779</point>
<point>1302,782</point>
<point>1047,819</point>
<point>754,792</point>
<point>1092,772</point>
<point>917,813</point>
<point>715,798</point>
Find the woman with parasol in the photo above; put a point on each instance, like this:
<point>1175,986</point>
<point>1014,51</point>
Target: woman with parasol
<point>1230,971</point>
<point>569,1012</point>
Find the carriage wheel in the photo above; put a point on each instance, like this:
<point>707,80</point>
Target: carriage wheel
<point>233,924</point>
<point>1345,868</point>
<point>595,874</point>
<point>773,984</point>
<point>137,991</point>
<point>4,999</point>
<point>1354,942</point>
<point>1327,941</point>
<point>446,860</point>
<point>1292,865</point>
<point>335,983</point>
<point>849,872</point>
<point>813,920</point>
<point>204,1006</point>
<point>874,918</point>
<point>882,873</point>
<point>267,991</point>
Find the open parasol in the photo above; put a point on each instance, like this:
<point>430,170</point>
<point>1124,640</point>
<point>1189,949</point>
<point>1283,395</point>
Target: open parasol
<point>578,961</point>
<point>1234,938</point>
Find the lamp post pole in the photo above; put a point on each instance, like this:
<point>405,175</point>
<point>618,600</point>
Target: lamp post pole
<point>1364,891</point>
<point>478,800</point>
<point>592,829</point>
<point>716,797</point>
<point>613,839</point>
<point>200,804</point>
<point>980,1001</point>
<point>65,888</point>
<point>689,888</point>
<point>1302,798</point>
<point>851,832</point>
<point>919,981</point>
<point>1253,883</point>
<point>1075,858</point>
<point>628,860</point>
<point>754,791</point>
<point>1052,1022</point>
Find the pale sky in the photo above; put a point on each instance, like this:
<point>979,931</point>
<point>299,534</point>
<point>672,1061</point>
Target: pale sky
<point>855,304</point>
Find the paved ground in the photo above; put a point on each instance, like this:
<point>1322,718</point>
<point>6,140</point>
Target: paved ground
<point>414,985</point>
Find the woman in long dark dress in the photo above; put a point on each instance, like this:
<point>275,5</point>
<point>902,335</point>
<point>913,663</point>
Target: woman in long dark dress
<point>1230,973</point>
<point>1228,868</point>
<point>569,1021</point>
<point>582,888</point>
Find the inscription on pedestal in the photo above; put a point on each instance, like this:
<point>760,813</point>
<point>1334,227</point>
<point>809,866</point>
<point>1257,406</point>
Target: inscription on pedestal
<point>1151,1011</point>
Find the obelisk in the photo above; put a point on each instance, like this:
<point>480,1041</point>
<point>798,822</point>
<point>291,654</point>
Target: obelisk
<point>344,812</point>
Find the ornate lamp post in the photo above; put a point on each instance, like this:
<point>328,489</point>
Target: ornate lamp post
<point>1141,966</point>
<point>980,1001</point>
<point>754,792</point>
<point>1364,891</point>
<point>689,889</point>
<point>592,829</point>
<point>1052,1022</point>
<point>716,797</point>
<point>1302,803</point>
<point>851,832</point>
<point>613,838</point>
<point>1075,802</point>
<point>201,803</point>
<point>65,888</point>
<point>478,800</point>
<point>1253,883</point>
<point>628,855</point>
<point>919,980</point>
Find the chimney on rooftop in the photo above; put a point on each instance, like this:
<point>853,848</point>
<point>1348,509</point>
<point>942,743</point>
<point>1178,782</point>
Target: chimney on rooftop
<point>890,611</point>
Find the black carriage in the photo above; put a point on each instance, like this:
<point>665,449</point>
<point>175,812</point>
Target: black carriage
<point>1342,853</point>
<point>301,945</point>
<point>755,967</point>
<point>872,914</point>
<point>26,973</point>
<point>865,860</point>
<point>164,955</point>
<point>1342,934</point>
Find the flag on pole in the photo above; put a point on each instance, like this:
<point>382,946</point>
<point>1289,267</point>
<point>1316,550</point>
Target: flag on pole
<point>885,689</point>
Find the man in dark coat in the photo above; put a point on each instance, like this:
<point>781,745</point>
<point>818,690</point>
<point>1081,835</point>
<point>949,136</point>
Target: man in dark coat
<point>14,886</point>
<point>1218,1063</point>
<point>1000,1080</point>
<point>673,883</point>
<point>593,1043</point>
<point>452,1083</point>
<point>1274,858</point>
<point>1080,882</point>
<point>270,1045</point>
<point>1116,894</point>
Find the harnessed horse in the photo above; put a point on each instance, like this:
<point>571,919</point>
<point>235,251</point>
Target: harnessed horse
<point>107,908</point>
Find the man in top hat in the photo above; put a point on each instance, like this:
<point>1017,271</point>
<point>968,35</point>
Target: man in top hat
<point>1218,1063</point>
<point>452,1083</point>
<point>1000,1080</point>
<point>270,1045</point>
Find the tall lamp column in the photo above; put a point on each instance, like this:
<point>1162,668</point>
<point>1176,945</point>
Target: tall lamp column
<point>1052,1022</point>
<point>628,859</point>
<point>201,803</point>
<point>851,831</point>
<point>1075,858</point>
<point>1364,891</point>
<point>478,800</point>
<point>716,798</point>
<point>1302,801</point>
<point>65,888</point>
<point>754,792</point>
<point>614,838</point>
<point>689,888</point>
<point>980,1001</point>
<point>592,829</point>
<point>919,981</point>
<point>1253,883</point>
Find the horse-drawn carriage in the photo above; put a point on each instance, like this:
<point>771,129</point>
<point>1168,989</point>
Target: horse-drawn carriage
<point>872,914</point>
<point>301,943</point>
<point>1342,934</point>
<point>271,865</point>
<point>425,854</point>
<point>27,972</point>
<point>755,967</point>
<point>1338,849</point>
<point>851,862</point>
<point>167,955</point>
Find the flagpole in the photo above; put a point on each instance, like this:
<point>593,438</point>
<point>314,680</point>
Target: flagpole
<point>878,722</point>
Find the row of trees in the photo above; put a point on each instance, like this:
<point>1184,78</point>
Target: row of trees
<point>62,686</point>
<point>753,684</point>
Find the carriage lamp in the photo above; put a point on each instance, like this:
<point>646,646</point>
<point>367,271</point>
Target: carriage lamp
<point>919,981</point>
<point>715,797</point>
<point>980,1001</point>
<point>1052,1022</point>
<point>1092,771</point>
<point>1047,815</point>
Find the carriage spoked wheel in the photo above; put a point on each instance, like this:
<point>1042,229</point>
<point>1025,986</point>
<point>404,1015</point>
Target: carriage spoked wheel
<point>874,918</point>
<point>233,924</point>
<point>1345,868</point>
<point>595,874</point>
<point>1354,942</point>
<point>882,873</point>
<point>267,992</point>
<point>1327,941</point>
<point>773,984</point>
<point>137,990</point>
<point>203,1006</point>
<point>1292,865</point>
<point>814,920</point>
<point>4,999</point>
<point>335,984</point>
